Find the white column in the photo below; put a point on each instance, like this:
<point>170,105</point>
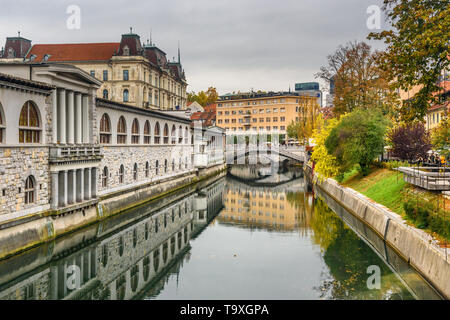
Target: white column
<point>80,185</point>
<point>55,116</point>
<point>78,119</point>
<point>72,188</point>
<point>94,184</point>
<point>85,117</point>
<point>62,116</point>
<point>55,189</point>
<point>70,118</point>
<point>87,183</point>
<point>65,185</point>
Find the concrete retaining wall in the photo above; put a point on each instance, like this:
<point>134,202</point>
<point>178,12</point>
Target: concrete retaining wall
<point>412,244</point>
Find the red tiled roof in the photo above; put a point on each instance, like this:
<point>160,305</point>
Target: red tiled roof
<point>210,108</point>
<point>75,51</point>
<point>446,105</point>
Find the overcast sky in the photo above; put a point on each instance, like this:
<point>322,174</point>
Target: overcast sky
<point>230,44</point>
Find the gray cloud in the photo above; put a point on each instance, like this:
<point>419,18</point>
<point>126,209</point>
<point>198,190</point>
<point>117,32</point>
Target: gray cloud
<point>233,45</point>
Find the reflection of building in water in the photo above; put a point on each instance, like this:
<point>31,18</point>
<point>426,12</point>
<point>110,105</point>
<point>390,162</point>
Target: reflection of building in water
<point>283,207</point>
<point>112,264</point>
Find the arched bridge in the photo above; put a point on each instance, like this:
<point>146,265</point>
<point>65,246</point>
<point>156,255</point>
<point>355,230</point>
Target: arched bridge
<point>293,154</point>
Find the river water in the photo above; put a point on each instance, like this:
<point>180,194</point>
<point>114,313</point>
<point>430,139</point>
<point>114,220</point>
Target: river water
<point>223,240</point>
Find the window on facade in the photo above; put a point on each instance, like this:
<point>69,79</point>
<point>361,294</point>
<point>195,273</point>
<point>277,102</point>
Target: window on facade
<point>135,171</point>
<point>147,138</point>
<point>157,167</point>
<point>165,166</point>
<point>105,129</point>
<point>166,134</point>
<point>2,124</point>
<point>93,73</point>
<point>135,132</point>
<point>180,135</point>
<point>105,75</point>
<point>29,130</point>
<point>126,95</point>
<point>186,136</point>
<point>29,190</point>
<point>173,135</point>
<point>121,131</point>
<point>157,133</point>
<point>121,173</point>
<point>125,75</point>
<point>105,94</point>
<point>105,177</point>
<point>147,169</point>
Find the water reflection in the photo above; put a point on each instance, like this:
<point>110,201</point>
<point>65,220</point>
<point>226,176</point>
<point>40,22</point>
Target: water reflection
<point>225,240</point>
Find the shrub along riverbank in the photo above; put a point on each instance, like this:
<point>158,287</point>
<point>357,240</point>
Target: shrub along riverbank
<point>423,209</point>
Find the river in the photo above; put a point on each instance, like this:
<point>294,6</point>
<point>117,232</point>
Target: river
<point>222,240</point>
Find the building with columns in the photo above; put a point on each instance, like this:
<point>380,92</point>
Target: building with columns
<point>68,155</point>
<point>132,72</point>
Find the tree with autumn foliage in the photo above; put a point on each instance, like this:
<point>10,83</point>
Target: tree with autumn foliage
<point>204,98</point>
<point>409,141</point>
<point>440,137</point>
<point>417,50</point>
<point>359,81</point>
<point>309,119</point>
<point>325,163</point>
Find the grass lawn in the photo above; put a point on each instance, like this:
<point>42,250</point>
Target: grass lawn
<point>381,185</point>
<point>388,188</point>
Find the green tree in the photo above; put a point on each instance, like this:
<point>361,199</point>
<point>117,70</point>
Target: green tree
<point>357,139</point>
<point>417,49</point>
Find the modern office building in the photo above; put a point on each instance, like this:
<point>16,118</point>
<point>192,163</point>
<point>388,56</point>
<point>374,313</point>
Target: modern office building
<point>310,89</point>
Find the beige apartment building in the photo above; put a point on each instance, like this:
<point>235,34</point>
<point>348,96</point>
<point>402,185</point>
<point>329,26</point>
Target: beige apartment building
<point>132,73</point>
<point>261,113</point>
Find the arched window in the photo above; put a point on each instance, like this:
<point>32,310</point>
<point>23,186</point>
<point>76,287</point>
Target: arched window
<point>125,95</point>
<point>180,135</point>
<point>147,169</point>
<point>166,134</point>
<point>135,132</point>
<point>105,129</point>
<point>121,131</point>
<point>105,177</point>
<point>186,136</point>
<point>174,135</point>
<point>173,165</point>
<point>105,94</point>
<point>121,173</point>
<point>157,134</point>
<point>157,167</point>
<point>2,124</point>
<point>29,190</point>
<point>165,166</point>
<point>147,132</point>
<point>135,171</point>
<point>29,130</point>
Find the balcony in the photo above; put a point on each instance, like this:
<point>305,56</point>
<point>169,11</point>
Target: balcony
<point>67,153</point>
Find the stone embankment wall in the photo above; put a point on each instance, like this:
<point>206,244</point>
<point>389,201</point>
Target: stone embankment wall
<point>415,246</point>
<point>29,231</point>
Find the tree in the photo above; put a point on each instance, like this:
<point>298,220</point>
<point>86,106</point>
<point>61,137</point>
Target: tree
<point>417,49</point>
<point>440,137</point>
<point>309,119</point>
<point>325,163</point>
<point>357,139</point>
<point>409,141</point>
<point>359,81</point>
<point>204,98</point>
